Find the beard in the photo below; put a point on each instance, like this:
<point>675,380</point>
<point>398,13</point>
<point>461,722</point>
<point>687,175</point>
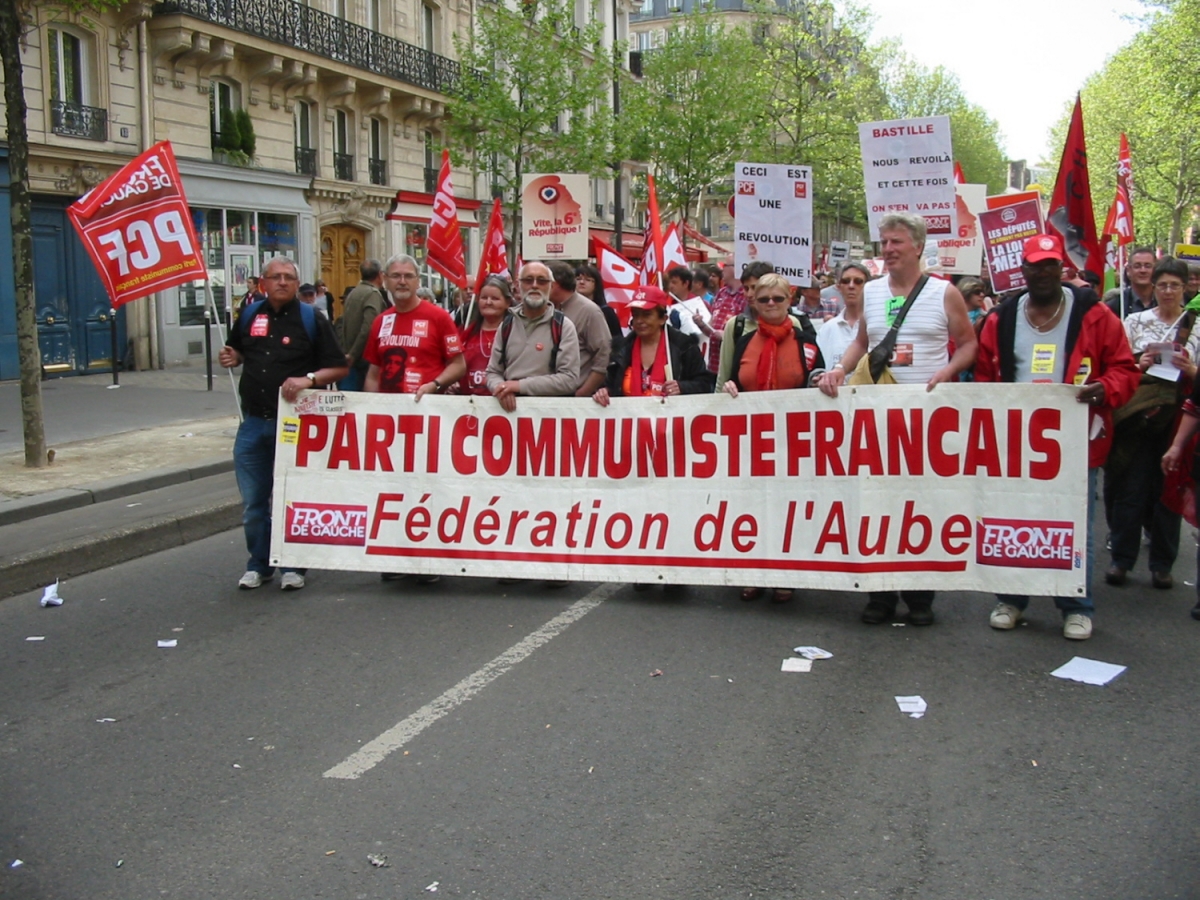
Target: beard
<point>535,300</point>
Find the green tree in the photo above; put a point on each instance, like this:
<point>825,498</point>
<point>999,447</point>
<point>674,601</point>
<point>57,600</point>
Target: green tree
<point>698,107</point>
<point>14,19</point>
<point>914,92</point>
<point>1149,89</point>
<point>534,95</point>
<point>822,81</point>
<point>247,139</point>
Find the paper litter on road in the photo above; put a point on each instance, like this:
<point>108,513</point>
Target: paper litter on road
<point>1088,671</point>
<point>36,637</point>
<point>379,862</point>
<point>796,664</point>
<point>432,888</point>
<point>50,595</point>
<point>913,706</point>
<point>171,643</point>
<point>812,653</point>
<point>16,864</point>
<point>106,719</point>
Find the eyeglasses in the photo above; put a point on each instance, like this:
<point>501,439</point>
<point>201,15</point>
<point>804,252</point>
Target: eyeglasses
<point>853,281</point>
<point>1168,286</point>
<point>541,282</point>
<point>773,300</point>
<point>407,276</point>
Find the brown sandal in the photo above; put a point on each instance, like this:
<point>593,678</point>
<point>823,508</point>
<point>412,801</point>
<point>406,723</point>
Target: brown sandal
<point>781,595</point>
<point>752,593</point>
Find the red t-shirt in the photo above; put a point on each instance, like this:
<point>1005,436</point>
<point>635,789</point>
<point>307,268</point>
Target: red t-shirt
<point>411,348</point>
<point>477,349</point>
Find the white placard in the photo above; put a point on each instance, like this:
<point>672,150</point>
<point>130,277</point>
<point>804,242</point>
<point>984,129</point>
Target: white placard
<point>962,254</point>
<point>908,167</point>
<point>554,219</point>
<point>773,218</point>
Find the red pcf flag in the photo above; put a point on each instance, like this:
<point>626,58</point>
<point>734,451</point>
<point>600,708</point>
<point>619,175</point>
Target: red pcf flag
<point>444,250</point>
<point>137,228</point>
<point>494,259</point>
<point>1071,212</point>
<point>620,278</point>
<point>1120,214</point>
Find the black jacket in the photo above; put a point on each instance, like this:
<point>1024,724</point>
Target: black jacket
<point>689,368</point>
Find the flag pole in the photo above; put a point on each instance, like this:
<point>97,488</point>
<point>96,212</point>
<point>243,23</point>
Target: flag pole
<point>212,303</point>
<point>1121,276</point>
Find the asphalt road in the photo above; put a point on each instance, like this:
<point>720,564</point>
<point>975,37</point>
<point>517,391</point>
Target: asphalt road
<point>573,772</point>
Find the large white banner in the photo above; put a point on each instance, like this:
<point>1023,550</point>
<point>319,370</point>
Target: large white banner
<point>908,167</point>
<point>772,212</point>
<point>968,487</point>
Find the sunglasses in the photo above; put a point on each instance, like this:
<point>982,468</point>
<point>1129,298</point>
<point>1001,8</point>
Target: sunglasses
<point>529,281</point>
<point>773,300</point>
<point>853,281</point>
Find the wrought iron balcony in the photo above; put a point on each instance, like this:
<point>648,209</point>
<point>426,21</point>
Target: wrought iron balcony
<point>304,28</point>
<point>76,120</point>
<point>378,170</point>
<point>306,161</point>
<point>343,166</point>
<point>431,179</point>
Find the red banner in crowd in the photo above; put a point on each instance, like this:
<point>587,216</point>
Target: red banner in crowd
<point>494,259</point>
<point>1120,214</point>
<point>137,228</point>
<point>1005,230</point>
<point>1071,212</point>
<point>619,277</point>
<point>445,250</point>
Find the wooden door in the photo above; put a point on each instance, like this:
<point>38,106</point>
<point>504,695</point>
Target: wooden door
<point>343,249</point>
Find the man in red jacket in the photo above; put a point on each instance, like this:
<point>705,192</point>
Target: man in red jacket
<point>1057,334</point>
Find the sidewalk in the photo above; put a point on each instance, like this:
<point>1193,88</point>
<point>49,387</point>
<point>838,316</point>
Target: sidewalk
<point>136,469</point>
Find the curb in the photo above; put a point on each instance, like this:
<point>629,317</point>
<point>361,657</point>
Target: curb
<point>88,554</point>
<point>37,505</point>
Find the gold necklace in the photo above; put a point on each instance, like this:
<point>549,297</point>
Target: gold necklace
<point>1050,323</point>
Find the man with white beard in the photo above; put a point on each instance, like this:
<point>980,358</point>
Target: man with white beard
<point>536,351</point>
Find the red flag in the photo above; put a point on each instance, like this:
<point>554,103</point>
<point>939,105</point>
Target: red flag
<point>1071,212</point>
<point>619,276</point>
<point>494,258</point>
<point>673,252</point>
<point>1120,215</point>
<point>137,228</point>
<point>445,250</point>
<point>959,177</point>
<point>655,274</point>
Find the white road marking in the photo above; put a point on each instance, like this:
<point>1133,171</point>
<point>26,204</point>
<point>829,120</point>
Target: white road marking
<point>374,752</point>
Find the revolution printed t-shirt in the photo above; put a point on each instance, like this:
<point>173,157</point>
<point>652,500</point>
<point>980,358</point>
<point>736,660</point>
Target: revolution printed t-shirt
<point>411,348</point>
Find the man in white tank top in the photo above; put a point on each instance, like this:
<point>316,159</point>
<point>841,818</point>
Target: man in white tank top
<point>937,317</point>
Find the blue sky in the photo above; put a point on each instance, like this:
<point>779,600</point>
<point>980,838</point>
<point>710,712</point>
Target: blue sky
<point>1021,60</point>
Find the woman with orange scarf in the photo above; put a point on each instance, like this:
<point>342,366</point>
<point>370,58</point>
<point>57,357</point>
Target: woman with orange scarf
<point>780,355</point>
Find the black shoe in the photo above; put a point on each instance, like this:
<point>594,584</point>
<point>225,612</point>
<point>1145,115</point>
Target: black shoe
<point>877,612</point>
<point>1115,575</point>
<point>920,615</point>
<point>428,579</point>
<point>391,576</point>
<point>1196,611</point>
<point>1162,580</point>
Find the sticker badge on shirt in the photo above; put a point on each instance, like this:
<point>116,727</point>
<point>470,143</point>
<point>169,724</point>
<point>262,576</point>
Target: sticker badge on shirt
<point>412,381</point>
<point>1043,359</point>
<point>894,305</point>
<point>260,326</point>
<point>420,328</point>
<point>902,355</point>
<point>286,340</point>
<point>385,326</point>
<point>289,431</point>
<point>1084,372</point>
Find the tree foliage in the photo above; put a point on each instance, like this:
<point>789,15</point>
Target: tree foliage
<point>534,95</point>
<point>698,107</point>
<point>1149,89</point>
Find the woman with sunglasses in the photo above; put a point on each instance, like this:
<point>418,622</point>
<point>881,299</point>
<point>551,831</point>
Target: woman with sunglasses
<point>836,334</point>
<point>779,356</point>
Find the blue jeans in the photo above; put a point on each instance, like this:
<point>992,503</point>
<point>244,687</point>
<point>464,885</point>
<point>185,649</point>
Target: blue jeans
<point>354,380</point>
<point>1068,605</point>
<point>254,465</point>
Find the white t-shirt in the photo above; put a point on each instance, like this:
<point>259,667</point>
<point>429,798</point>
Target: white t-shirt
<point>686,326</point>
<point>922,345</point>
<point>834,337</point>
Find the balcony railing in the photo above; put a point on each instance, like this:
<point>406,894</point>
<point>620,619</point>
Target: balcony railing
<point>377,168</point>
<point>304,28</point>
<point>431,179</point>
<point>306,161</point>
<point>76,120</point>
<point>343,166</point>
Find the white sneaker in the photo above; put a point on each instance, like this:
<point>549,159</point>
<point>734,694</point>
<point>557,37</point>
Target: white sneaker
<point>252,580</point>
<point>1004,617</point>
<point>291,581</point>
<point>1077,627</point>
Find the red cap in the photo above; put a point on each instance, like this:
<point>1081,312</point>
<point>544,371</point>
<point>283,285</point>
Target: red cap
<point>1043,246</point>
<point>649,297</point>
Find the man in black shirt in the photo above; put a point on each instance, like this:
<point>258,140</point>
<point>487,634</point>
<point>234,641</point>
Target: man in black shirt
<point>285,347</point>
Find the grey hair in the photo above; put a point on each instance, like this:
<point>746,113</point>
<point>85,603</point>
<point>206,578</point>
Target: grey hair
<point>402,258</point>
<point>284,260</point>
<point>861,267</point>
<point>426,294</point>
<point>914,225</point>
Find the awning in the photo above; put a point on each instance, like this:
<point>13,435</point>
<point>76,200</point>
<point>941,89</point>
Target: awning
<point>417,207</point>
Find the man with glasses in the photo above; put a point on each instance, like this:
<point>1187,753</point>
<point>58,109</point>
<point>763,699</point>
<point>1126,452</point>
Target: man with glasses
<point>536,352</point>
<point>284,350</point>
<point>1139,292</point>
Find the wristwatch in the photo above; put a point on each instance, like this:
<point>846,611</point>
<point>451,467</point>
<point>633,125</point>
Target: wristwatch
<point>312,376</point>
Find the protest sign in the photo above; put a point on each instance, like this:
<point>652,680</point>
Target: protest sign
<point>137,228</point>
<point>773,218</point>
<point>970,487</point>
<point>963,253</point>
<point>553,222</point>
<point>1189,253</point>
<point>1005,229</point>
<point>908,167</point>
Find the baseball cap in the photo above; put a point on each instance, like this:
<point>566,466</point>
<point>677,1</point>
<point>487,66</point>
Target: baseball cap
<point>649,297</point>
<point>1042,247</point>
<point>307,289</point>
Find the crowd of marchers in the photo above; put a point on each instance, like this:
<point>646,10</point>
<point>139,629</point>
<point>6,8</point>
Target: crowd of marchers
<point>550,333</point>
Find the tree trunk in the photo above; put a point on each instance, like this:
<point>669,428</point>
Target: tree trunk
<point>22,239</point>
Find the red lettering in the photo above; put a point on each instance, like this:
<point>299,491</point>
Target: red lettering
<point>580,452</point>
<point>433,445</point>
<point>652,447</point>
<point>957,528</point>
<point>717,522</point>
<point>1015,443</point>
<point>834,529</point>
<point>831,431</point>
<point>497,428</point>
<point>345,443</point>
<point>314,432</point>
<point>983,450</point>
<point>864,443</point>
<point>1042,421</point>
<point>864,530</point>
<point>745,528</point>
<point>626,524</point>
<point>659,519</point>
<point>382,515</point>
<point>679,445</point>
<point>543,534</point>
<point>798,446</point>
<point>904,442</point>
<point>732,429</point>
<point>618,465</point>
<point>381,431</point>
<point>445,535</point>
<point>410,427</point>
<point>416,524</point>
<point>702,427</point>
<point>943,421</point>
<point>762,445</point>
<point>535,453</point>
<point>908,520</point>
<point>464,427</point>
